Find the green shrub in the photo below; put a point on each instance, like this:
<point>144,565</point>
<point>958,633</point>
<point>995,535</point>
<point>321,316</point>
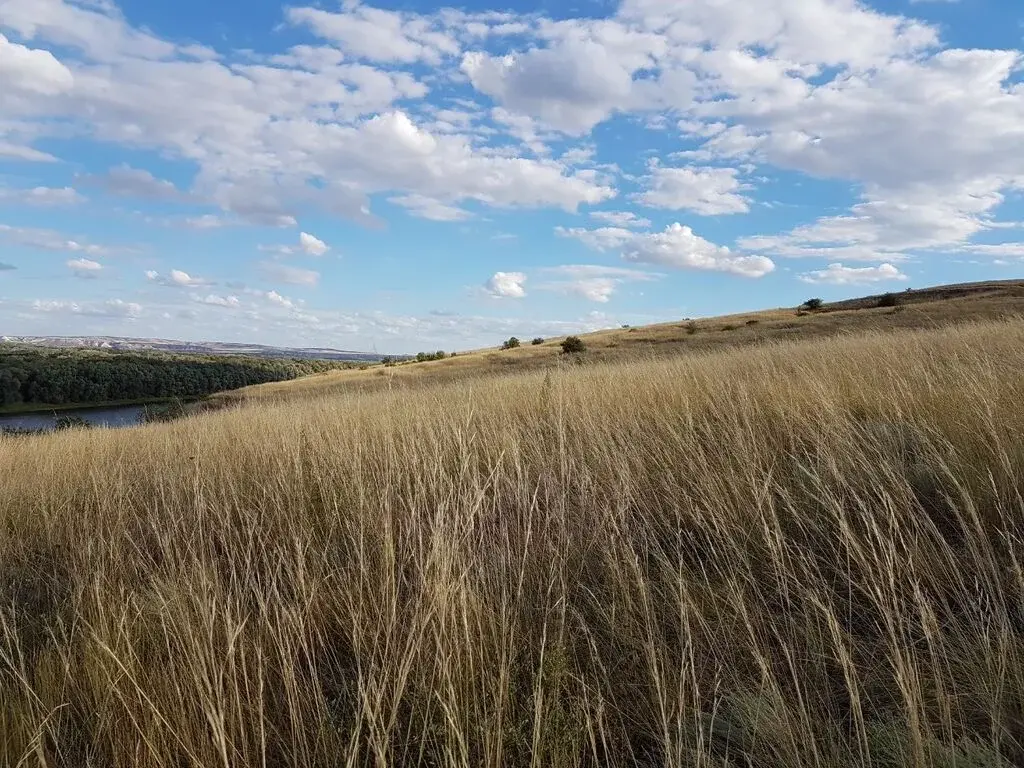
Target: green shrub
<point>512,343</point>
<point>813,304</point>
<point>573,345</point>
<point>888,300</point>
<point>71,422</point>
<point>537,342</point>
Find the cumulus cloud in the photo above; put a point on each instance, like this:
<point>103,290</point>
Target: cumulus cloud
<point>621,219</point>
<point>506,285</point>
<point>379,35</point>
<point>580,79</point>
<point>838,274</point>
<point>213,300</point>
<point>311,245</point>
<point>30,71</point>
<point>705,191</point>
<point>677,247</point>
<point>84,267</point>
<point>176,278</point>
<point>276,298</point>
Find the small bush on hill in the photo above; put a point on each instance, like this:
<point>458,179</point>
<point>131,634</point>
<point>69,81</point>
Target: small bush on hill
<point>813,304</point>
<point>691,327</point>
<point>537,342</point>
<point>888,300</point>
<point>573,345</point>
<point>512,343</point>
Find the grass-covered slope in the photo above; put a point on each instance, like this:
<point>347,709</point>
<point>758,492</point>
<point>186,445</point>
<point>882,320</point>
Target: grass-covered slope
<point>804,554</point>
<point>918,309</point>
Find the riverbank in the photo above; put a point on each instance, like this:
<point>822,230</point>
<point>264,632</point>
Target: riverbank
<point>24,409</point>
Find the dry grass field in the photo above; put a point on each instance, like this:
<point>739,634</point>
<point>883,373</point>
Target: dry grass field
<point>790,553</point>
<point>936,307</point>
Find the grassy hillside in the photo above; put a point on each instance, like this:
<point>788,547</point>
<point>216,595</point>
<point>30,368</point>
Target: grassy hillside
<point>936,307</point>
<point>797,554</point>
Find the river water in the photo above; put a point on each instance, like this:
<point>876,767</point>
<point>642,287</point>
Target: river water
<point>113,417</point>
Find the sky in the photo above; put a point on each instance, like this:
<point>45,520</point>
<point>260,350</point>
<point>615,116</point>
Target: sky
<point>405,176</point>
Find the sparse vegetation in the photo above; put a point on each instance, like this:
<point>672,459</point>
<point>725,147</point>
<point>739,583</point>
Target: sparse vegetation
<point>423,357</point>
<point>512,343</point>
<point>573,345</point>
<point>691,327</point>
<point>812,304</point>
<point>656,563</point>
<point>71,422</point>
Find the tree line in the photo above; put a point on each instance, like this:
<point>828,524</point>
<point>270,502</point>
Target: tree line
<point>67,376</point>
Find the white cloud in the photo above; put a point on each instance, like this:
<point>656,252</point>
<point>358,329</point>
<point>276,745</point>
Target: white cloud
<point>84,267</point>
<point>506,285</point>
<point>311,245</point>
<point>621,219</point>
<point>113,308</point>
<point>261,132</point>
<point>276,298</point>
<point>31,71</point>
<point>580,80</point>
<point>705,191</point>
<point>601,239</point>
<point>126,181</point>
<point>291,275</point>
<point>379,35</point>
<point>49,240</point>
<point>213,300</point>
<point>593,282</point>
<point>997,249</point>
<point>837,274</point>
<point>177,279</point>
<point>43,197</point>
<point>428,208</point>
<point>677,247</point>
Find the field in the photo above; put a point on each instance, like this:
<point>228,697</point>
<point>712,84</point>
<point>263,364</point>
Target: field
<point>925,308</point>
<point>783,553</point>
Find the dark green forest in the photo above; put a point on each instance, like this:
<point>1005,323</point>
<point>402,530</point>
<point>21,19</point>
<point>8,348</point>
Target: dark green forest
<point>66,376</point>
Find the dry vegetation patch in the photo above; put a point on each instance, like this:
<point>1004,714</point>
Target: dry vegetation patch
<point>786,555</point>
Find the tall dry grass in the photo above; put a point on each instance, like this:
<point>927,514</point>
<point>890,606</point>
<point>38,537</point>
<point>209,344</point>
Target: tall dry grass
<point>799,555</point>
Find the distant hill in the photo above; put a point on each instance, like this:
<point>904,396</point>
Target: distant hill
<point>193,347</point>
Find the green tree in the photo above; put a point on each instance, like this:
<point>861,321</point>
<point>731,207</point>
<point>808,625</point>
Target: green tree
<point>573,345</point>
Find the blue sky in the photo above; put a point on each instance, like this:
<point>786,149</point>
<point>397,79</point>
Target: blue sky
<point>406,176</point>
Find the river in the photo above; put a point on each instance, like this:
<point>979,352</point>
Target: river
<point>112,416</point>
